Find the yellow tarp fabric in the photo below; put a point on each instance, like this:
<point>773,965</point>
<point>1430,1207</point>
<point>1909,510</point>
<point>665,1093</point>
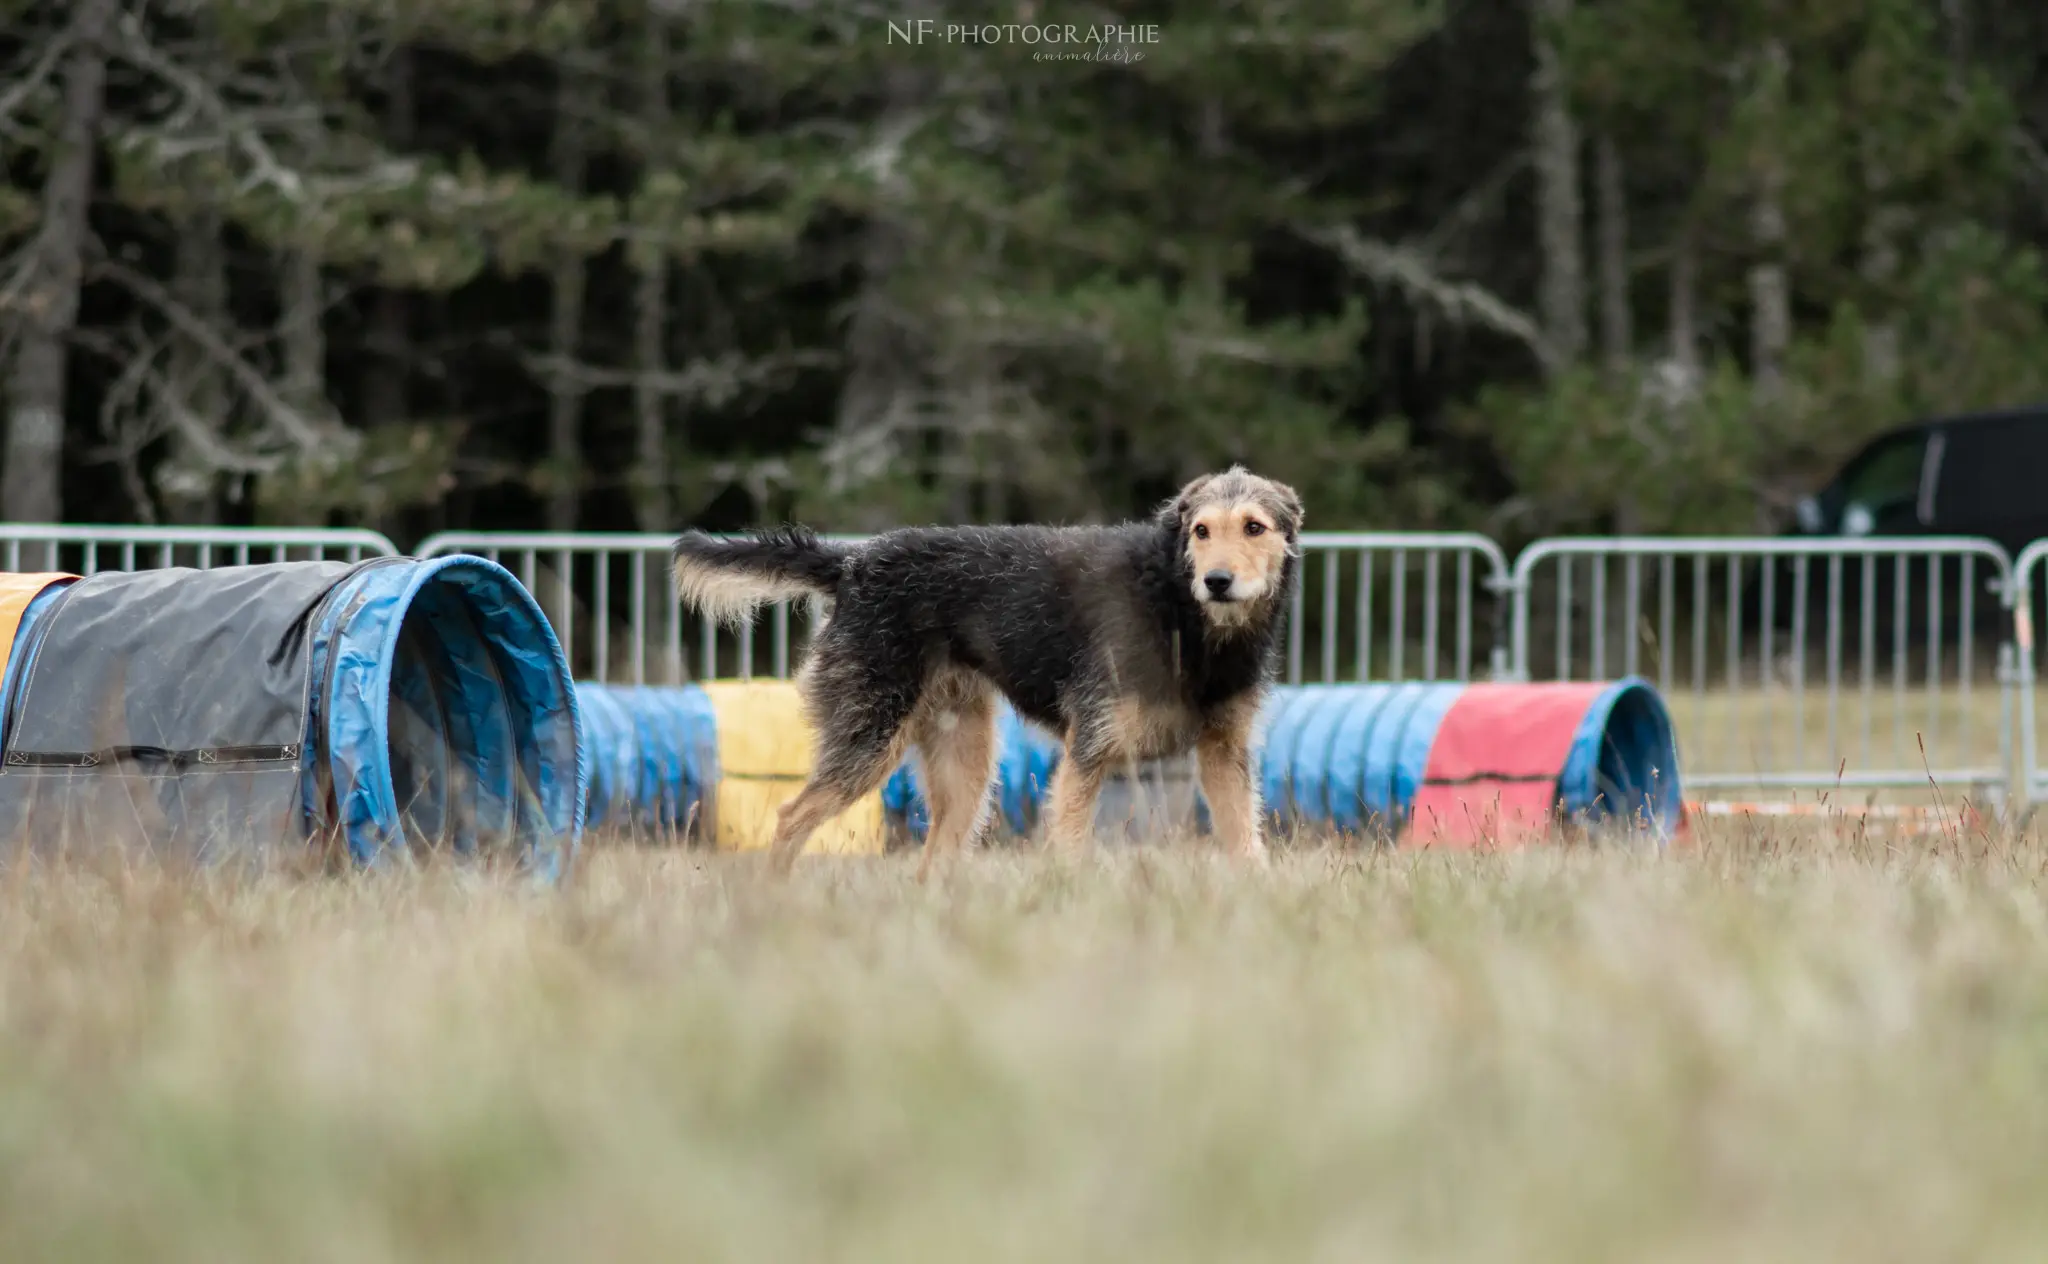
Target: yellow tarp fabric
<point>764,754</point>
<point>16,591</point>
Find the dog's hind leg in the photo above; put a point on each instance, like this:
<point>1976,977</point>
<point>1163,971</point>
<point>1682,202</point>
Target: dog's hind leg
<point>860,717</point>
<point>955,729</point>
<point>840,779</point>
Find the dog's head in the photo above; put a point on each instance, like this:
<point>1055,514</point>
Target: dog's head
<point>1239,535</point>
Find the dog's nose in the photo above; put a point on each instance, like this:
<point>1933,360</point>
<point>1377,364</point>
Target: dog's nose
<point>1218,582</point>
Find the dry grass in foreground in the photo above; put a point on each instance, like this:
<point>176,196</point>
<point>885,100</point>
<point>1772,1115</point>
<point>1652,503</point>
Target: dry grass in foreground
<point>1791,1046</point>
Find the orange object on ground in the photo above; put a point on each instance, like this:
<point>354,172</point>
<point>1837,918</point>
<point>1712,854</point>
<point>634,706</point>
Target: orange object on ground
<point>16,592</point>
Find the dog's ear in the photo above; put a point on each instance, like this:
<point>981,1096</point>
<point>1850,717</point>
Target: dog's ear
<point>1174,513</point>
<point>1287,508</point>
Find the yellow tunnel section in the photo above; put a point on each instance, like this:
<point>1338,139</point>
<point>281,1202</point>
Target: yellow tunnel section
<point>765,746</point>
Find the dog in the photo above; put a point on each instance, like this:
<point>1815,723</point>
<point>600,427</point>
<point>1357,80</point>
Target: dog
<point>1132,642</point>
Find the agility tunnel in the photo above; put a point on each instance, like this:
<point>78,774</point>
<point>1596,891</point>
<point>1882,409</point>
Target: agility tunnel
<point>1432,765</point>
<point>651,755</point>
<point>1462,765</point>
<point>713,762</point>
<point>390,704</point>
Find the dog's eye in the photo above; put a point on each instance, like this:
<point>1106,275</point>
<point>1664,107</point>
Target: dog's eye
<point>1255,527</point>
<point>1201,531</point>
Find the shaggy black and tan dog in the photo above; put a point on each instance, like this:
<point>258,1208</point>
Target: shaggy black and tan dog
<point>1133,642</point>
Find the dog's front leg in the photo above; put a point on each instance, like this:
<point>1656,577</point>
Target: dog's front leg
<point>1228,782</point>
<point>1070,804</point>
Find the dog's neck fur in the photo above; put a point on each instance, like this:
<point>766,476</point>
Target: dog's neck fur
<point>1214,661</point>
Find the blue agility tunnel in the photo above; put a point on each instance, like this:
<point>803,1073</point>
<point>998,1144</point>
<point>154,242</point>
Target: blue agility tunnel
<point>654,767</point>
<point>1471,764</point>
<point>1359,759</point>
<point>1439,764</point>
<point>652,754</point>
<point>390,704</point>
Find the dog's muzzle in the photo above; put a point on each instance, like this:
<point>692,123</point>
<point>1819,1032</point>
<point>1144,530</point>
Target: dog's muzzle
<point>1218,583</point>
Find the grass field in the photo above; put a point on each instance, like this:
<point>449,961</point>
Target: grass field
<point>1780,1046</point>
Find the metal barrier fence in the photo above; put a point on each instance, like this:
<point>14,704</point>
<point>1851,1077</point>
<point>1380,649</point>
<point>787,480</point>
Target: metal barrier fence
<point>1372,606</point>
<point>1790,664</point>
<point>87,550</point>
<point>1398,606</point>
<point>2028,594</point>
<point>610,599</point>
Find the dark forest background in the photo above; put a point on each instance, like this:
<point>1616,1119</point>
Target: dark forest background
<point>1518,265</point>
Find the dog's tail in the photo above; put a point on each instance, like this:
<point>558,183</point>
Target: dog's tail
<point>729,579</point>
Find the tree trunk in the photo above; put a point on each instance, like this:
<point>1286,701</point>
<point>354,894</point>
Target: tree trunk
<point>31,488</point>
<point>305,339</point>
<point>302,324</point>
<point>880,393</point>
<point>1559,218</point>
<point>187,482</point>
<point>1682,312</point>
<point>1770,290</point>
<point>565,321</point>
<point>390,333</point>
<point>1611,209</point>
<point>1885,224</point>
<point>650,301</point>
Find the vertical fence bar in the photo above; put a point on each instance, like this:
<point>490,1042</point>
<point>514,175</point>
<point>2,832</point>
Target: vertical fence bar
<point>1935,633</point>
<point>1733,685</point>
<point>1967,638</point>
<point>1464,614</point>
<point>1801,599</point>
<point>1901,587</point>
<point>1867,637</point>
<point>1328,637</point>
<point>1596,620</point>
<point>602,597</point>
<point>1397,631</point>
<point>1294,619</point>
<point>1667,600</point>
<point>637,599</point>
<point>1632,597</point>
<point>1564,617</point>
<point>1834,657</point>
<point>1365,614</point>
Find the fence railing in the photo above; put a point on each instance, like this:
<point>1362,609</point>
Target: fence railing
<point>1398,606</point>
<point>609,597</point>
<point>1372,606</point>
<point>2029,594</point>
<point>1788,664</point>
<point>87,550</point>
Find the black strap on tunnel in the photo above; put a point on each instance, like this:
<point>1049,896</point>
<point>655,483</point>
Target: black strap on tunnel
<point>1479,777</point>
<point>286,754</point>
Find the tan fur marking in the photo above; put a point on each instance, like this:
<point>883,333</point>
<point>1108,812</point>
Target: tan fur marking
<point>1131,730</point>
<point>1224,756</point>
<point>956,735</point>
<point>1239,523</point>
<point>727,596</point>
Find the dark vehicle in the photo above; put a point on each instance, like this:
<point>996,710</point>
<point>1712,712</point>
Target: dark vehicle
<point>1981,475</point>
